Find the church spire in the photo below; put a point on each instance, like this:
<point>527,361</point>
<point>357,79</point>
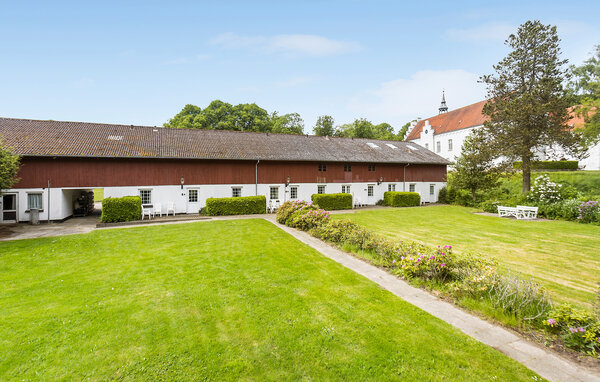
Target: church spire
<point>443,108</point>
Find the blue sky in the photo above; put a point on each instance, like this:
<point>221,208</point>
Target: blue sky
<point>141,62</point>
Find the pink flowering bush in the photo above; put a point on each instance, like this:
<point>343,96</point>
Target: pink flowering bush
<point>579,329</point>
<point>308,218</point>
<point>291,206</point>
<point>589,212</point>
<point>434,264</point>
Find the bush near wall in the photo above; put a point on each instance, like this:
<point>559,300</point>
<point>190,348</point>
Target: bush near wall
<point>551,165</point>
<point>333,201</point>
<point>246,205</point>
<point>401,199</point>
<point>123,209</point>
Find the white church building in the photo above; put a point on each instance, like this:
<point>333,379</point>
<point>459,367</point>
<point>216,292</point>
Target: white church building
<point>445,133</point>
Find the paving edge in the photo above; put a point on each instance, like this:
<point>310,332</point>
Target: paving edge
<point>546,364</point>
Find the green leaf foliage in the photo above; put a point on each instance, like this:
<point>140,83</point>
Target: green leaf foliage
<point>329,202</point>
<point>246,205</point>
<point>125,209</point>
<point>324,126</point>
<point>401,199</point>
<point>9,167</point>
<point>550,165</point>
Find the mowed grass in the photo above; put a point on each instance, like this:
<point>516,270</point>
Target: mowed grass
<point>225,300</point>
<point>563,256</point>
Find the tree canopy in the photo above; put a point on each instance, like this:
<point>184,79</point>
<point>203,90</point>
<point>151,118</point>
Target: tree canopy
<point>324,126</point>
<point>219,115</point>
<point>528,105</point>
<point>9,167</point>
<point>585,86</point>
<point>362,128</point>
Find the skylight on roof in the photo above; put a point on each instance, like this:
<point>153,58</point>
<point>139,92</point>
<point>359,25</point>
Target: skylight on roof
<point>373,145</point>
<point>115,137</point>
<point>391,146</point>
<point>412,147</point>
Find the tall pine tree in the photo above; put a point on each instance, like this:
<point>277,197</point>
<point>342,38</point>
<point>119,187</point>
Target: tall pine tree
<point>528,105</point>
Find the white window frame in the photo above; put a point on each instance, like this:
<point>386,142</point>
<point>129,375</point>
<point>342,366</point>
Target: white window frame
<point>345,188</point>
<point>235,189</point>
<point>427,146</point>
<point>392,187</point>
<point>276,189</point>
<point>321,189</point>
<point>144,190</point>
<point>449,144</point>
<point>370,190</point>
<point>412,187</point>
<point>190,192</point>
<point>293,190</point>
<point>432,189</point>
<point>438,147</point>
<point>41,200</point>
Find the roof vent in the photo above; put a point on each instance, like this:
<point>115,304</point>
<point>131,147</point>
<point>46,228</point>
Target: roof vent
<point>373,145</point>
<point>412,147</point>
<point>391,146</point>
<point>115,137</point>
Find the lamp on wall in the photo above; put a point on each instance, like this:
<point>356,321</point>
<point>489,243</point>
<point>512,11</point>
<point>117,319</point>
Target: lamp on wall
<point>380,180</point>
<point>182,181</point>
<point>287,181</point>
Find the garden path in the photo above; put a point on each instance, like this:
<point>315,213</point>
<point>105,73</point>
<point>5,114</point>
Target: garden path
<point>536,358</point>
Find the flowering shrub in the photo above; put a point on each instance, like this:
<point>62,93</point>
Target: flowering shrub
<point>430,265</point>
<point>589,212</point>
<point>564,209</point>
<point>544,190</point>
<point>579,329</point>
<point>307,218</point>
<point>474,275</point>
<point>289,207</point>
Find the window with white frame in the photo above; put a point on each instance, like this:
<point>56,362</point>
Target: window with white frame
<point>427,146</point>
<point>392,187</point>
<point>438,146</point>
<point>294,192</point>
<point>274,193</point>
<point>34,200</point>
<point>193,196</point>
<point>370,190</point>
<point>411,187</point>
<point>449,144</point>
<point>320,189</point>
<point>345,189</point>
<point>146,196</point>
<point>236,192</point>
<point>432,189</point>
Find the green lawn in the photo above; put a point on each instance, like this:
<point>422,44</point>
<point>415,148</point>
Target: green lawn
<point>563,256</point>
<point>225,300</point>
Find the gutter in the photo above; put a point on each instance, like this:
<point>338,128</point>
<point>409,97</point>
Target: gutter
<point>256,177</point>
<point>404,178</point>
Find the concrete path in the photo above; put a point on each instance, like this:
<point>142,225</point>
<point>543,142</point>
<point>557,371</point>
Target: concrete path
<point>69,227</point>
<point>536,358</point>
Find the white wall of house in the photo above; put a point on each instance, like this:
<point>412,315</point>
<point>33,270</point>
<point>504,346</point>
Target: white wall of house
<point>62,199</point>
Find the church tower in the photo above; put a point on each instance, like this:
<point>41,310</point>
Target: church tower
<point>443,108</point>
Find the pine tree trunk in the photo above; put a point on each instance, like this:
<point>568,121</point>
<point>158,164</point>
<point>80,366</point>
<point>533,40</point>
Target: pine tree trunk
<point>526,175</point>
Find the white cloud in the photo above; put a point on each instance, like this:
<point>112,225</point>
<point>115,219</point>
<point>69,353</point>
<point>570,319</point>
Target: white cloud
<point>492,32</point>
<point>402,100</point>
<point>298,44</point>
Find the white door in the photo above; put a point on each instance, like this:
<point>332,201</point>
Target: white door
<point>9,208</point>
<point>371,194</point>
<point>193,196</point>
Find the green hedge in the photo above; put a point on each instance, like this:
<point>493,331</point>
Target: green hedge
<point>333,201</point>
<point>246,205</point>
<point>551,165</point>
<point>123,209</point>
<point>401,199</point>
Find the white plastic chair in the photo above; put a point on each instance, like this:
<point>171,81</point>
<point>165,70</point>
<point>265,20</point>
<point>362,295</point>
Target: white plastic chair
<point>276,205</point>
<point>171,208</point>
<point>158,209</point>
<point>147,211</point>
<point>270,206</point>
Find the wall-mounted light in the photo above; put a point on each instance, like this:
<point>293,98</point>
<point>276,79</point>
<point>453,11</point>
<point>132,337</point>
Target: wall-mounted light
<point>182,181</point>
<point>287,181</point>
<point>380,180</point>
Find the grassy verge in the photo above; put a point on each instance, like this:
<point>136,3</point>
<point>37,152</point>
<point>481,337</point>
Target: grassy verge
<point>563,256</point>
<point>225,300</point>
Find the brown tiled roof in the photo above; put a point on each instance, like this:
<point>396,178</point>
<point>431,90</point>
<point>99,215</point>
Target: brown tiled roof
<point>81,139</point>
<point>468,116</point>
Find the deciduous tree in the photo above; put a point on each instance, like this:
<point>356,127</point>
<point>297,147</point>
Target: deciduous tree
<point>324,126</point>
<point>9,167</point>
